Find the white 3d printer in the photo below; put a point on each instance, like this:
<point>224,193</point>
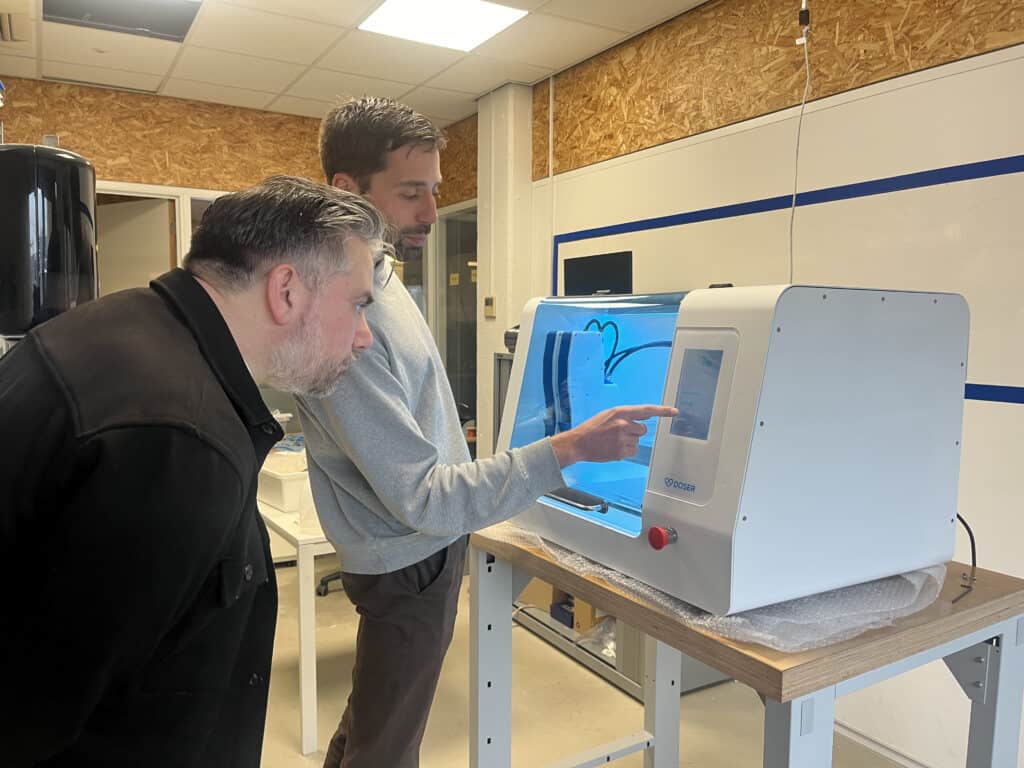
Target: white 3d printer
<point>817,443</point>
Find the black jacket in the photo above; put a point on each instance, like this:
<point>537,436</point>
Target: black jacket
<point>139,605</point>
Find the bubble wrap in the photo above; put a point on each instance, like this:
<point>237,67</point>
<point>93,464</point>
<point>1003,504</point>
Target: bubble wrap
<point>792,626</point>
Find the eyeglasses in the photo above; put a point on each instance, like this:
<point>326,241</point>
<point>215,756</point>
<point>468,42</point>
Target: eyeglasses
<point>386,270</point>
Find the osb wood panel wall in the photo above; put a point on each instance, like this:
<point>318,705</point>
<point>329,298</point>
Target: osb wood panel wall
<point>731,60</point>
<point>541,128</point>
<point>158,140</point>
<point>458,163</point>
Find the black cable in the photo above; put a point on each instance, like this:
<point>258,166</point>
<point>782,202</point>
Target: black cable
<point>600,327</point>
<point>611,366</point>
<point>970,535</point>
<point>968,579</point>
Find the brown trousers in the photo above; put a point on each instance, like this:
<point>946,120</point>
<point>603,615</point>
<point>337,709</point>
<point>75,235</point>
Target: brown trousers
<point>406,620</point>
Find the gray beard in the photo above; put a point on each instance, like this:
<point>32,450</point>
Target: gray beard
<point>298,366</point>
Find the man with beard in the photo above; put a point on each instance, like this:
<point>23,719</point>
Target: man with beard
<point>392,478</point>
<point>142,631</point>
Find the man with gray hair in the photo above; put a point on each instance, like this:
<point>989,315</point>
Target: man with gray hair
<point>128,507</point>
<point>393,482</point>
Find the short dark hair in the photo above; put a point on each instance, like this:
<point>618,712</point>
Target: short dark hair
<point>284,219</point>
<point>357,135</point>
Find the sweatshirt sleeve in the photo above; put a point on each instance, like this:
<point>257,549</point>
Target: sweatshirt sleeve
<point>369,420</point>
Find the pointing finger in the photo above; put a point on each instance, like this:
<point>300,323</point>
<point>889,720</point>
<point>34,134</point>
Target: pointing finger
<point>642,412</point>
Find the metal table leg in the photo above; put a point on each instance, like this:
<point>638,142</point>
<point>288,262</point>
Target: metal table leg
<point>494,586</point>
<point>798,734</point>
<point>996,694</point>
<point>662,664</point>
<point>307,648</point>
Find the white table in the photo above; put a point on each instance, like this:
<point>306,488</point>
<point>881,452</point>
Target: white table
<point>980,638</point>
<point>305,534</point>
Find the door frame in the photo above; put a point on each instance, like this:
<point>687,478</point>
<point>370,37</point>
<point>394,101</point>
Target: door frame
<point>436,276</point>
<point>181,196</point>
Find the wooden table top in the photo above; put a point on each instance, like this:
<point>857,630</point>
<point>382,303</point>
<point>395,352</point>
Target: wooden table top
<point>776,674</point>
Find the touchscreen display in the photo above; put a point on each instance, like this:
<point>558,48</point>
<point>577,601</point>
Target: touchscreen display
<point>695,395</point>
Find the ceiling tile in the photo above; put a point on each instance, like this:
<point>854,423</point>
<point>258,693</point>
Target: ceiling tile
<point>323,85</point>
<point>264,35</point>
<point>627,17</point>
<point>434,101</point>
<point>548,41</point>
<point>221,68</point>
<point>478,75</point>
<point>292,105</point>
<point>108,50</point>
<point>524,5</point>
<point>219,94</point>
<point>118,78</point>
<point>17,66</point>
<point>26,48</point>
<point>24,43</point>
<point>341,13</point>
<point>28,7</point>
<point>373,55</point>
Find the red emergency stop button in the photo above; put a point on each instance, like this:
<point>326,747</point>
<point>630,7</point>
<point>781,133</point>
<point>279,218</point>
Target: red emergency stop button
<point>661,537</point>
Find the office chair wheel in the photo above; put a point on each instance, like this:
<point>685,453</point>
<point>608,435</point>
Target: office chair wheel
<point>322,585</point>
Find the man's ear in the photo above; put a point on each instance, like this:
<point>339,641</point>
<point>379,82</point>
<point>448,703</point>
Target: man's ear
<point>287,295</point>
<point>346,182</point>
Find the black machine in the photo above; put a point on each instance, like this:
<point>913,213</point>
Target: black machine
<point>47,235</point>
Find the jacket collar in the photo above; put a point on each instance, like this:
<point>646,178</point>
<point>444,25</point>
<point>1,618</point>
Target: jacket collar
<point>193,305</point>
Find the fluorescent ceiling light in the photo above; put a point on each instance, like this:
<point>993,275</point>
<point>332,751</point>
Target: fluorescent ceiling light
<point>459,24</point>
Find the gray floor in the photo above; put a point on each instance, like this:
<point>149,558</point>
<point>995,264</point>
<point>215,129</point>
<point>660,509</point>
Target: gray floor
<point>559,707</point>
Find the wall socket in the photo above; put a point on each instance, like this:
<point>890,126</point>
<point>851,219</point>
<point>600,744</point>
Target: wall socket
<point>490,308</point>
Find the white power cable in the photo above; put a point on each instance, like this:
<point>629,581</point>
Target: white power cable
<point>2,91</point>
<point>805,42</point>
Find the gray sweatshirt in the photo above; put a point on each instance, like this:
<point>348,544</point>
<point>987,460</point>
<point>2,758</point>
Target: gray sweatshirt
<point>389,467</point>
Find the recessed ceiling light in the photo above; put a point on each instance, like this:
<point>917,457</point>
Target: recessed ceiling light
<point>458,24</point>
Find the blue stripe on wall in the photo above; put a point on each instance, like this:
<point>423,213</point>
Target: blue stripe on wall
<point>994,394</point>
<point>951,174</point>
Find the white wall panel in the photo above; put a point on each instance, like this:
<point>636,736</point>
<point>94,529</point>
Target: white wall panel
<point>134,243</point>
<point>965,236</point>
<point>696,255</point>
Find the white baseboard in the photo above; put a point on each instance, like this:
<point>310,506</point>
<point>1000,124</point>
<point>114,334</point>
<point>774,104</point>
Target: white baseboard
<point>876,746</point>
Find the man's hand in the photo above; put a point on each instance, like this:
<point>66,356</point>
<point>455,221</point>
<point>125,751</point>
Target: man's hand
<point>611,435</point>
